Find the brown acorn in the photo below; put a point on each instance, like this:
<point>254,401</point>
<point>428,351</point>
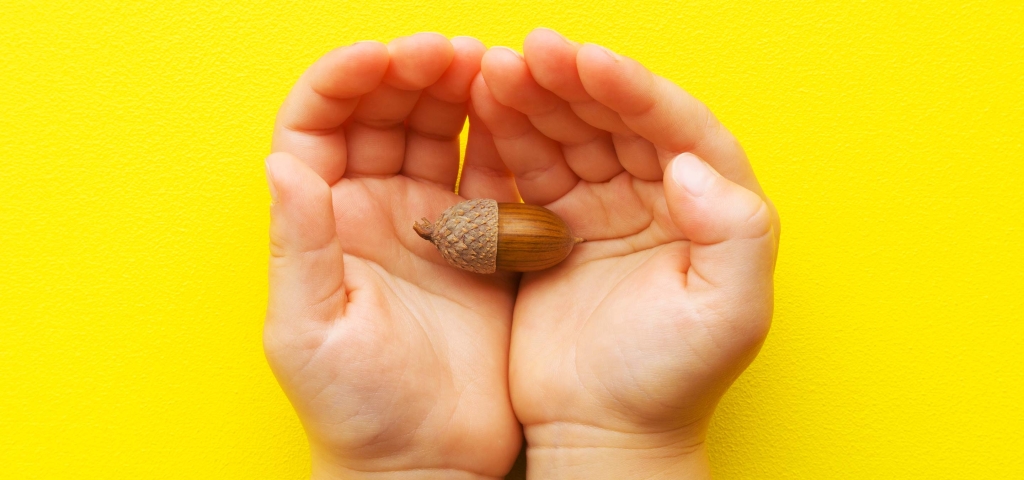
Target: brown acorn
<point>483,236</point>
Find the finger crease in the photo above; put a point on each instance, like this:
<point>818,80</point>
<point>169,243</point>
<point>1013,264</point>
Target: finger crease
<point>553,109</point>
<point>535,173</point>
<point>486,171</point>
<point>442,185</point>
<point>321,132</point>
<point>516,136</point>
<point>434,136</point>
<point>577,143</point>
<point>380,124</point>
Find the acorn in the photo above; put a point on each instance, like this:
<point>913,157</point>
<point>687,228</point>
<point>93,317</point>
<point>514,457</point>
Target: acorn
<point>483,236</point>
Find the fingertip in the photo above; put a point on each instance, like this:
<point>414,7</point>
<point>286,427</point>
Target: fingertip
<point>709,208</point>
<point>302,218</point>
<point>498,61</point>
<point>545,35</point>
<point>373,49</point>
<point>693,174</point>
<point>513,85</point>
<point>276,167</point>
<point>350,71</point>
<point>271,187</point>
<point>469,52</point>
<point>482,99</point>
<point>551,59</point>
<point>619,82</point>
<point>596,68</point>
<point>453,85</point>
<point>420,41</point>
<point>468,44</point>
<point>289,178</point>
<point>501,49</point>
<point>418,60</point>
<point>482,102</point>
<point>501,120</point>
<point>477,86</point>
<point>593,55</point>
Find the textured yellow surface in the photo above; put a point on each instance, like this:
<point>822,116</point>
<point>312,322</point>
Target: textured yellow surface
<point>133,216</point>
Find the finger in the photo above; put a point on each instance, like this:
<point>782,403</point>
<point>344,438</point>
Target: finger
<point>638,156</point>
<point>600,116</point>
<point>453,86</point>
<point>376,132</point>
<point>552,61</point>
<point>732,241</point>
<point>542,176</point>
<point>661,112</point>
<point>587,150</point>
<point>417,61</point>
<point>432,144</point>
<point>309,122</point>
<point>306,264</point>
<point>484,175</point>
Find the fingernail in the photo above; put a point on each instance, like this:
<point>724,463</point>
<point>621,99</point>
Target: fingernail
<point>611,54</point>
<point>509,49</point>
<point>692,173</point>
<point>270,180</point>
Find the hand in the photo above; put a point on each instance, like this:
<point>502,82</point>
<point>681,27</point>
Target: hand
<point>620,354</point>
<point>395,362</point>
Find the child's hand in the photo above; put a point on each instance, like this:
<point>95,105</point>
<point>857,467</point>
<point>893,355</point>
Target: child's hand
<point>395,362</point>
<point>620,354</point>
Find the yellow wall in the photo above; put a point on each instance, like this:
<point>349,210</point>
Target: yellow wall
<point>133,213</point>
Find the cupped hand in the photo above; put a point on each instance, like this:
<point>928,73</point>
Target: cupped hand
<point>395,362</point>
<point>620,354</point>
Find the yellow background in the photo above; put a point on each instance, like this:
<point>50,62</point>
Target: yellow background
<point>133,215</point>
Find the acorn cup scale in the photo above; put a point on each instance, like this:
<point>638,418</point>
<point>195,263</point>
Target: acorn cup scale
<point>483,236</point>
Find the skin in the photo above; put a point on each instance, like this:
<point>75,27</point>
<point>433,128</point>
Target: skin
<point>395,362</point>
<point>613,361</point>
<point>620,354</point>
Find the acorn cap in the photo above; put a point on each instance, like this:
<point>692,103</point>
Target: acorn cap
<point>466,234</point>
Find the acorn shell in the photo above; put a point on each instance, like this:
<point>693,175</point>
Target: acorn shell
<point>483,236</point>
<point>531,238</point>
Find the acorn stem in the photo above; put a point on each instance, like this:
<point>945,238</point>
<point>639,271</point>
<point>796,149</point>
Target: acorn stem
<point>424,229</point>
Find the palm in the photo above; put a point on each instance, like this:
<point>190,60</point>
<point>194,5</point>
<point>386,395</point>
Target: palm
<point>646,324</point>
<point>408,369</point>
<point>436,339</point>
<point>631,325</point>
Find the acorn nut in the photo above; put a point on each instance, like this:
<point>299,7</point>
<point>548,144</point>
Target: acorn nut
<point>483,236</point>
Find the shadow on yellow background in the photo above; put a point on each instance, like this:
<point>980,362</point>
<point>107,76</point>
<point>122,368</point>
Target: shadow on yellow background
<point>134,212</point>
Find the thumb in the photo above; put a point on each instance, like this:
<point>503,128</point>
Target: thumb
<point>729,227</point>
<point>306,263</point>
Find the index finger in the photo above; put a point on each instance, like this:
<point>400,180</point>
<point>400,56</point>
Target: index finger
<point>309,122</point>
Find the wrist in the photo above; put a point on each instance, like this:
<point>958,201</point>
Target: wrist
<point>564,451</point>
<point>326,468</point>
<point>334,472</point>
